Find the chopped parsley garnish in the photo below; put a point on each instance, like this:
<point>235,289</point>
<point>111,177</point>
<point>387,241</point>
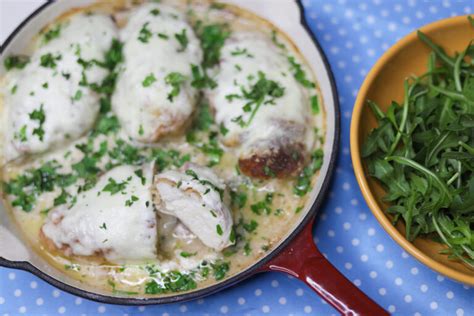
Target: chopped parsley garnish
<point>77,96</point>
<point>15,61</point>
<point>139,173</point>
<point>155,12</point>
<point>212,38</point>
<point>247,249</point>
<point>148,80</point>
<point>141,131</point>
<point>276,41</point>
<point>299,73</point>
<point>172,281</point>
<point>182,39</point>
<point>223,129</point>
<point>298,209</point>
<point>220,270</point>
<point>61,199</point>
<point>219,230</point>
<point>264,91</point>
<point>303,182</point>
<point>13,89</point>
<point>263,206</point>
<point>103,226</point>
<point>132,200</point>
<point>45,85</point>
<point>163,36</point>
<point>165,158</point>
<point>238,199</point>
<point>250,227</point>
<point>315,104</point>
<point>145,34</point>
<point>200,79</point>
<point>38,115</point>
<point>186,254</point>
<point>204,182</point>
<point>241,52</point>
<point>114,187</point>
<point>52,34</point>
<point>174,79</point>
<point>49,61</point>
<point>106,124</point>
<point>21,135</point>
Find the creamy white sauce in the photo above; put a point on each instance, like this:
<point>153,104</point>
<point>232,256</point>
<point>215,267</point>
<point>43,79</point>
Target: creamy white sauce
<point>194,200</point>
<point>69,109</point>
<point>151,52</point>
<point>103,223</point>
<point>244,55</point>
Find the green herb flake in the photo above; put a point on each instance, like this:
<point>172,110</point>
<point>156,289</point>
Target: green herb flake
<point>186,254</point>
<point>114,187</point>
<point>15,61</point>
<point>175,80</point>
<point>148,80</point>
<point>49,61</point>
<point>299,73</point>
<point>52,33</point>
<point>145,34</point>
<point>315,104</point>
<point>182,39</point>
<point>38,115</point>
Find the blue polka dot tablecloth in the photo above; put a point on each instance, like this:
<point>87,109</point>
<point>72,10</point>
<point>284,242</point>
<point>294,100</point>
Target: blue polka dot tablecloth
<point>353,34</point>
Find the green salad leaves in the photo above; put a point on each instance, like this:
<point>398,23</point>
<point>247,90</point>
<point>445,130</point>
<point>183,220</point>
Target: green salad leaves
<point>423,152</point>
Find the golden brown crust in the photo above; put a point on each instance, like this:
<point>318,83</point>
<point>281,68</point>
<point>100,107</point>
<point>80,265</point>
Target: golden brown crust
<point>280,162</point>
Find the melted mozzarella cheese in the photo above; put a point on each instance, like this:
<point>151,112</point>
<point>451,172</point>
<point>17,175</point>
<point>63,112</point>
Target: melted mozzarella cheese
<point>50,87</point>
<point>244,55</point>
<point>104,223</point>
<point>151,51</point>
<point>194,200</point>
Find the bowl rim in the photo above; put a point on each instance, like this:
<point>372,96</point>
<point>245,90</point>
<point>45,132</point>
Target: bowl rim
<point>357,161</point>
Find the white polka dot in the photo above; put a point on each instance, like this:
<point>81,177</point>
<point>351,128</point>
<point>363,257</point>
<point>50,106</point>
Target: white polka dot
<point>459,312</point>
<point>342,32</point>
<point>339,249</point>
<point>389,264</point>
<point>327,8</point>
<point>433,9</point>
<point>101,309</point>
<point>78,301</point>
<point>398,281</point>
<point>224,309</point>
<point>433,305</point>
<point>408,298</point>
<point>424,288</point>
<point>11,276</point>
<point>378,33</point>
<point>450,295</point>
<point>348,265</point>
<point>362,216</point>
<point>417,314</point>
<point>183,308</point>
<point>17,292</point>
<point>404,255</point>
<point>349,44</point>
<point>356,58</point>
<point>282,300</point>
<point>397,8</point>
<point>363,39</point>
<point>320,26</point>
<point>327,37</point>
<point>357,282</point>
<point>347,78</point>
<point>241,301</point>
<point>308,309</point>
<point>382,291</point>
<point>371,232</point>
<point>363,6</point>
<point>346,186</point>
<point>373,274</point>
<point>22,309</point>
<point>141,308</point>
<point>62,310</point>
<point>56,293</point>
<point>384,13</point>
<point>2,300</point>
<point>370,19</point>
<point>392,27</point>
<point>392,309</point>
<point>33,284</point>
<point>346,226</point>
<point>467,10</point>
<point>165,314</point>
<point>349,13</point>
<point>414,271</point>
<point>354,202</point>
<point>258,292</point>
<point>379,248</point>
<point>355,242</point>
<point>364,258</point>
<point>200,301</point>
<point>265,309</point>
<point>299,292</point>
<point>406,20</point>
<point>39,301</point>
<point>440,278</point>
<point>275,283</point>
<point>331,233</point>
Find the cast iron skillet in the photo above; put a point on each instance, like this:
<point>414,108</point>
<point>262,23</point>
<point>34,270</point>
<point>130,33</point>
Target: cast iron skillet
<point>296,254</point>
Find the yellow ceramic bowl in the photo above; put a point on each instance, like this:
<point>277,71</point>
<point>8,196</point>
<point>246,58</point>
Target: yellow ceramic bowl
<point>383,84</point>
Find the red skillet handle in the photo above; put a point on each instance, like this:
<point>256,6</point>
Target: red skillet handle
<point>303,260</point>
